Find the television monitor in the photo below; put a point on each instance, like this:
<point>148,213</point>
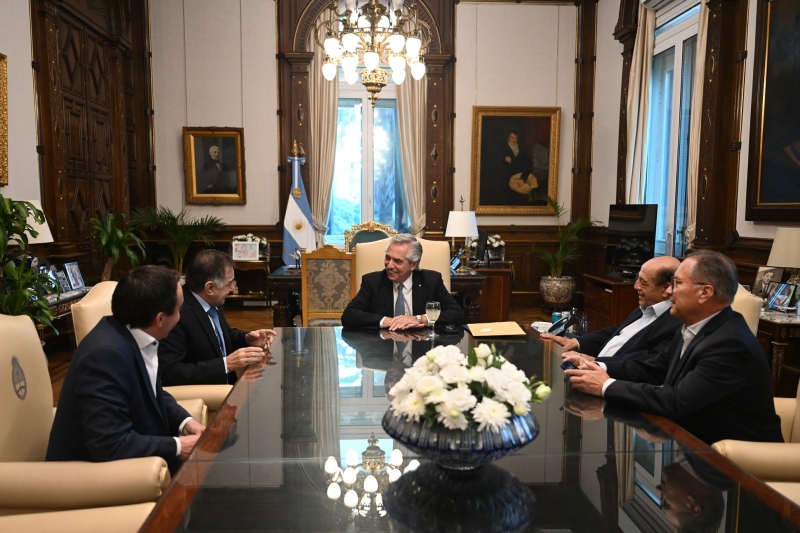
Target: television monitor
<point>480,249</point>
<point>631,237</point>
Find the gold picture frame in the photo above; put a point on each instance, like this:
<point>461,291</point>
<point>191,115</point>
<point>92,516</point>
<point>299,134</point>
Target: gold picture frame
<point>511,175</point>
<point>3,120</point>
<point>213,165</point>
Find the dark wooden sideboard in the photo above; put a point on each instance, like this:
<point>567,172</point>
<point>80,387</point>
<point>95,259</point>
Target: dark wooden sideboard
<point>607,301</point>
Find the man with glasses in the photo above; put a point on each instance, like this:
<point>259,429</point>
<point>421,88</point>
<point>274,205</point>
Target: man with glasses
<point>646,331</point>
<point>203,348</point>
<point>713,379</point>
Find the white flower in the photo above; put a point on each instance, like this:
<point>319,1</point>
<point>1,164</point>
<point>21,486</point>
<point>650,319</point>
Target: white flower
<point>496,379</point>
<point>477,374</point>
<point>482,351</point>
<point>412,406</point>
<point>451,418</point>
<point>460,399</point>
<point>428,384</point>
<point>492,414</point>
<point>513,373</point>
<point>455,374</point>
<point>542,392</point>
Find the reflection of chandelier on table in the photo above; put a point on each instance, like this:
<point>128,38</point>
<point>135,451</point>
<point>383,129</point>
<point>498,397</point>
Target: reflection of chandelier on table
<point>363,483</point>
<point>373,32</point>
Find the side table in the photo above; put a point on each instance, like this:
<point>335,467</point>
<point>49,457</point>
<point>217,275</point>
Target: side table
<point>255,286</point>
<point>779,335</point>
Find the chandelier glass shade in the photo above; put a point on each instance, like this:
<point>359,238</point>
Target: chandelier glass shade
<point>376,34</point>
<point>360,485</point>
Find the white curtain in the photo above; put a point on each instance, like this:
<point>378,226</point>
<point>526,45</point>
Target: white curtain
<point>411,100</point>
<point>322,117</point>
<point>321,345</point>
<point>693,178</point>
<point>637,106</point>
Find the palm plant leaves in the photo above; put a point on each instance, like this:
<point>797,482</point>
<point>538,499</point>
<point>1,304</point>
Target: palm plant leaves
<point>568,248</point>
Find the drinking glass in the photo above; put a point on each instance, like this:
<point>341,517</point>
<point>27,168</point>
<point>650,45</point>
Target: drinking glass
<point>432,311</point>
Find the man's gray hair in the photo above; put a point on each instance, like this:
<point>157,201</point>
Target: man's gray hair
<point>719,271</point>
<point>414,252</point>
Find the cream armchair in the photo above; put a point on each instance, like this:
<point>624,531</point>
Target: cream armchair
<point>770,461</point>
<point>369,258</point>
<point>749,306</point>
<point>27,482</point>
<point>96,304</point>
<point>119,519</point>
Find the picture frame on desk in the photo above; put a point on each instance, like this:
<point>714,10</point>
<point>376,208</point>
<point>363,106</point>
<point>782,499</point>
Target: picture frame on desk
<point>780,295</point>
<point>244,251</point>
<point>62,280</point>
<point>74,275</point>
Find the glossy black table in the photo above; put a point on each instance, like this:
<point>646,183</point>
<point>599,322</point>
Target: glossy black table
<point>260,465</point>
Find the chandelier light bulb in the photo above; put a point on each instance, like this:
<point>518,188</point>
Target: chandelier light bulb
<point>398,76</point>
<point>351,458</point>
<point>383,23</point>
<point>349,42</point>
<point>350,4</point>
<point>351,77</point>
<point>331,465</point>
<point>396,42</point>
<point>371,60</point>
<point>413,45</point>
<point>331,45</point>
<point>370,484</point>
<point>349,476</point>
<point>378,500</point>
<point>329,68</point>
<point>351,498</point>
<point>334,491</point>
<point>394,475</point>
<point>397,62</point>
<point>418,69</point>
<point>413,465</point>
<point>396,457</point>
<point>349,62</point>
<point>363,23</point>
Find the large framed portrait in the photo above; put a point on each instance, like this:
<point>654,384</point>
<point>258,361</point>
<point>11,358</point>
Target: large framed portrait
<point>514,159</point>
<point>213,165</point>
<point>3,120</point>
<point>773,172</point>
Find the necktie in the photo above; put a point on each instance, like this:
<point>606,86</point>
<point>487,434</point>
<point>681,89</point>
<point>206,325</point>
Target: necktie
<point>214,314</point>
<point>400,304</point>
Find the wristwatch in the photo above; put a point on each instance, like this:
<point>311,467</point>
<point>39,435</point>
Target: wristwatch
<point>419,319</point>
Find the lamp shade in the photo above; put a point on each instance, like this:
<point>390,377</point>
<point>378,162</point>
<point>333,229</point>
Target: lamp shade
<point>44,236</point>
<point>461,224</point>
<point>785,250</point>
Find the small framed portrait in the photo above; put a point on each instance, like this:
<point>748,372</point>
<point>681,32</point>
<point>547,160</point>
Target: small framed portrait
<point>213,165</point>
<point>780,295</point>
<point>245,251</point>
<point>62,280</point>
<point>764,276</point>
<point>74,275</point>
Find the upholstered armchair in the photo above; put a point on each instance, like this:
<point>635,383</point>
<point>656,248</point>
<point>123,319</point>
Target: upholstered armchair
<point>770,461</point>
<point>28,483</point>
<point>96,304</point>
<point>327,285</point>
<point>366,232</point>
<point>117,519</point>
<point>369,258</point>
<point>749,306</point>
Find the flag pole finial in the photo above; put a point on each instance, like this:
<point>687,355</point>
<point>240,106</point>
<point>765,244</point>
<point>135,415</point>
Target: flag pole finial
<point>297,150</point>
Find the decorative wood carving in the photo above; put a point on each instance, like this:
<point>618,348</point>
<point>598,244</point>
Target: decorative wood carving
<point>625,33</point>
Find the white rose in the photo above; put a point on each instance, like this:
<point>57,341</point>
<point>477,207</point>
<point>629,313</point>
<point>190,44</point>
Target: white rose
<point>454,374</point>
<point>496,380</point>
<point>477,373</point>
<point>483,351</point>
<point>542,392</point>
<point>460,399</point>
<point>428,384</point>
<point>513,373</point>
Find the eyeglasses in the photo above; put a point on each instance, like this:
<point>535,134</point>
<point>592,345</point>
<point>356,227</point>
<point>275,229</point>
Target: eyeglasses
<point>676,282</point>
<point>231,285</point>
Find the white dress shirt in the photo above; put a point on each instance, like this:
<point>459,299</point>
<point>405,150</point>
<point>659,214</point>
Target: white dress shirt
<point>649,315</point>
<point>206,306</point>
<point>407,285</point>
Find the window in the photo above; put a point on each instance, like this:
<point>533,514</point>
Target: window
<point>667,150</point>
<point>368,174</point>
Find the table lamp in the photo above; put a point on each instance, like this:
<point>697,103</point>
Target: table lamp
<point>786,252</point>
<point>461,224</point>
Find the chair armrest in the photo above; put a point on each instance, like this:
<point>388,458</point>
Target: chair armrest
<point>57,485</point>
<point>213,395</point>
<point>121,519</point>
<point>790,490</point>
<point>768,461</point>
<point>786,408</point>
<point>197,409</point>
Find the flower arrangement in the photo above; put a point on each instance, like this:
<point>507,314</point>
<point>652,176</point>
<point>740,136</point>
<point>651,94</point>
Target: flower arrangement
<point>493,241</point>
<point>250,238</point>
<point>447,387</point>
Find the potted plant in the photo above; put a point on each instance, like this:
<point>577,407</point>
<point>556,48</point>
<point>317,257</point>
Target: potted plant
<point>179,229</point>
<point>23,289</point>
<point>112,240</point>
<point>558,288</point>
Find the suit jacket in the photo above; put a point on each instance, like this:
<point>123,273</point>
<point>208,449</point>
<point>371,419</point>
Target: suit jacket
<point>720,389</point>
<point>107,409</point>
<point>650,340</point>
<point>190,354</point>
<point>375,300</point>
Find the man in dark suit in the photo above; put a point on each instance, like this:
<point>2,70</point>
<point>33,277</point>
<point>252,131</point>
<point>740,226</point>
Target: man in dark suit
<point>203,348</point>
<point>112,405</point>
<point>647,330</point>
<point>713,379</point>
<point>377,304</point>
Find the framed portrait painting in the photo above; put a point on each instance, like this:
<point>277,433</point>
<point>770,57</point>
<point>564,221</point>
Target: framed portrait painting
<point>764,276</point>
<point>514,159</point>
<point>773,172</point>
<point>213,165</point>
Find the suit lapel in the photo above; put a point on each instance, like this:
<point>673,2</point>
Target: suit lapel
<point>417,293</point>
<point>202,318</point>
<point>678,363</point>
<point>144,377</point>
<point>386,295</point>
<point>633,317</point>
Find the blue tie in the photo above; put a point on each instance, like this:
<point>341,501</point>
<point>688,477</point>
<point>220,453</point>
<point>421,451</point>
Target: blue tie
<point>400,304</point>
<point>214,314</point>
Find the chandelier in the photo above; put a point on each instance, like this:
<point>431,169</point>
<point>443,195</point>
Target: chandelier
<point>363,483</point>
<point>373,33</point>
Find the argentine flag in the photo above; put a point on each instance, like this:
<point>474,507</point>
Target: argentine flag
<point>298,229</point>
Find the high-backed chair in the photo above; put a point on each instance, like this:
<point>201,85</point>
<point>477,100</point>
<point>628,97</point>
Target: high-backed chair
<point>749,306</point>
<point>27,482</point>
<point>369,258</point>
<point>366,232</point>
<point>770,461</point>
<point>97,304</point>
<point>327,285</point>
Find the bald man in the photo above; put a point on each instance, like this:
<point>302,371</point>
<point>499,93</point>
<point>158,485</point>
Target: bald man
<point>648,329</point>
